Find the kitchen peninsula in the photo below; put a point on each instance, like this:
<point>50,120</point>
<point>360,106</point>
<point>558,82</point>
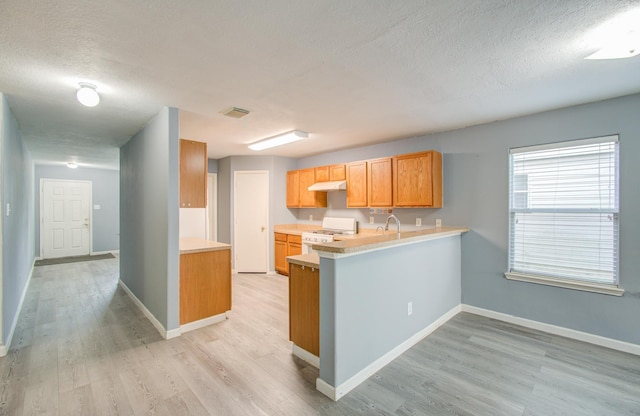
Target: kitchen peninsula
<point>205,282</point>
<point>378,296</point>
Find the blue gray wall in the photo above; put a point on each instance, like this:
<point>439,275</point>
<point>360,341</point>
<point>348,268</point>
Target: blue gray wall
<point>363,314</point>
<point>149,240</point>
<point>105,192</point>
<point>476,195</point>
<point>17,227</point>
<point>212,166</point>
<point>278,212</point>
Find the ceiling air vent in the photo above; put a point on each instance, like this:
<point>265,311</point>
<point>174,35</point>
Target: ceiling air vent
<point>235,112</point>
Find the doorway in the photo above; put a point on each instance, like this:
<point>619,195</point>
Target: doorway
<point>251,221</point>
<point>65,218</point>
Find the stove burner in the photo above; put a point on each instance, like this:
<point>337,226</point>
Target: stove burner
<point>327,232</point>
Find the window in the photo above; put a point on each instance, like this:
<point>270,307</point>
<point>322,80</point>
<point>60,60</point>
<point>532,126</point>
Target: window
<point>563,206</point>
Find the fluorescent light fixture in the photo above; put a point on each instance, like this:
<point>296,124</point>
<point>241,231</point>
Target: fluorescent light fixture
<point>87,94</point>
<point>618,37</point>
<point>279,140</point>
<point>623,47</point>
<point>72,165</point>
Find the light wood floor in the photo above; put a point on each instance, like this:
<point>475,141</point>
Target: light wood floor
<point>82,347</point>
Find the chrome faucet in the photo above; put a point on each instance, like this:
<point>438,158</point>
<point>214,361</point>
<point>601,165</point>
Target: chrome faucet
<point>386,224</point>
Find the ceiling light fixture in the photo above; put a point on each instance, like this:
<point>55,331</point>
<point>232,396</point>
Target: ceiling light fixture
<point>622,46</point>
<point>279,140</point>
<point>72,165</point>
<point>87,94</point>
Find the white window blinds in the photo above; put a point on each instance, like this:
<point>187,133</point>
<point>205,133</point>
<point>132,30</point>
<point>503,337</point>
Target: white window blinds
<point>564,210</point>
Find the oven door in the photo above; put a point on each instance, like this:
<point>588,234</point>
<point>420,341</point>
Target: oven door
<point>306,247</point>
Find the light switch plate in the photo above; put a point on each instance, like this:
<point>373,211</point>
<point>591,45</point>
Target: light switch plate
<point>418,222</point>
<point>438,223</point>
<point>370,220</point>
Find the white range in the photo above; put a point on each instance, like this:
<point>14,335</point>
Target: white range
<point>331,226</point>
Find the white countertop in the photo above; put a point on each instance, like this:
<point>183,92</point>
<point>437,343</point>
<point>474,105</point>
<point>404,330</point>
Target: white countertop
<point>197,245</point>
<point>388,239</point>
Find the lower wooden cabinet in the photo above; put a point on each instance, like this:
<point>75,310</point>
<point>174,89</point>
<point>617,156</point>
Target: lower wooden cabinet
<point>280,251</point>
<point>205,284</point>
<point>304,308</point>
<point>285,245</point>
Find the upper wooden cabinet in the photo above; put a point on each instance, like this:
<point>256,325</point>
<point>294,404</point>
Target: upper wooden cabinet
<point>193,174</point>
<point>357,184</point>
<point>298,194</point>
<point>293,189</point>
<point>379,184</point>
<point>412,180</point>
<point>417,180</point>
<point>331,173</point>
<point>322,174</point>
<point>337,173</point>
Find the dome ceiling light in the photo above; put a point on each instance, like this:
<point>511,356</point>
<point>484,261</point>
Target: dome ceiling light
<point>87,95</point>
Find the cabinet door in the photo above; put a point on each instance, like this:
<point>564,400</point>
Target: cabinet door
<point>280,250</point>
<point>205,284</point>
<point>322,174</point>
<point>310,199</point>
<point>357,184</point>
<point>337,173</point>
<point>193,174</point>
<point>417,180</point>
<point>304,308</point>
<point>379,183</point>
<point>293,189</point>
<point>294,249</point>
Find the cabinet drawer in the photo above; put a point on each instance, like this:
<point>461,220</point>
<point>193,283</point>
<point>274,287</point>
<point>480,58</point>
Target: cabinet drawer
<point>280,237</point>
<point>295,239</point>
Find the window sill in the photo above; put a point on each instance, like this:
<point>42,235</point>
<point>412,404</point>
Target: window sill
<point>567,284</point>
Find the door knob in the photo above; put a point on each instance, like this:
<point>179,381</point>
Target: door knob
<point>262,229</point>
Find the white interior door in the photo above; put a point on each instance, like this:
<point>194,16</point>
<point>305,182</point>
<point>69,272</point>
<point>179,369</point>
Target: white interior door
<point>251,215</point>
<point>65,212</point>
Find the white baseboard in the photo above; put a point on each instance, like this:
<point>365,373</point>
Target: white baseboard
<point>4,349</point>
<point>165,334</point>
<point>556,330</point>
<point>326,389</point>
<point>305,355</point>
<point>335,393</point>
<point>203,322</point>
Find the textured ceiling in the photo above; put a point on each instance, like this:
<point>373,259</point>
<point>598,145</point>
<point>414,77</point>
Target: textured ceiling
<point>348,72</point>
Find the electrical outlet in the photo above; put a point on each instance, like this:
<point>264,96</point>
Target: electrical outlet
<point>438,223</point>
<point>418,222</point>
<point>409,308</point>
<point>370,220</point>
<point>310,217</point>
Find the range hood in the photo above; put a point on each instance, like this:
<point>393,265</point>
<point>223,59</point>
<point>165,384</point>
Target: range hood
<point>329,186</point>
